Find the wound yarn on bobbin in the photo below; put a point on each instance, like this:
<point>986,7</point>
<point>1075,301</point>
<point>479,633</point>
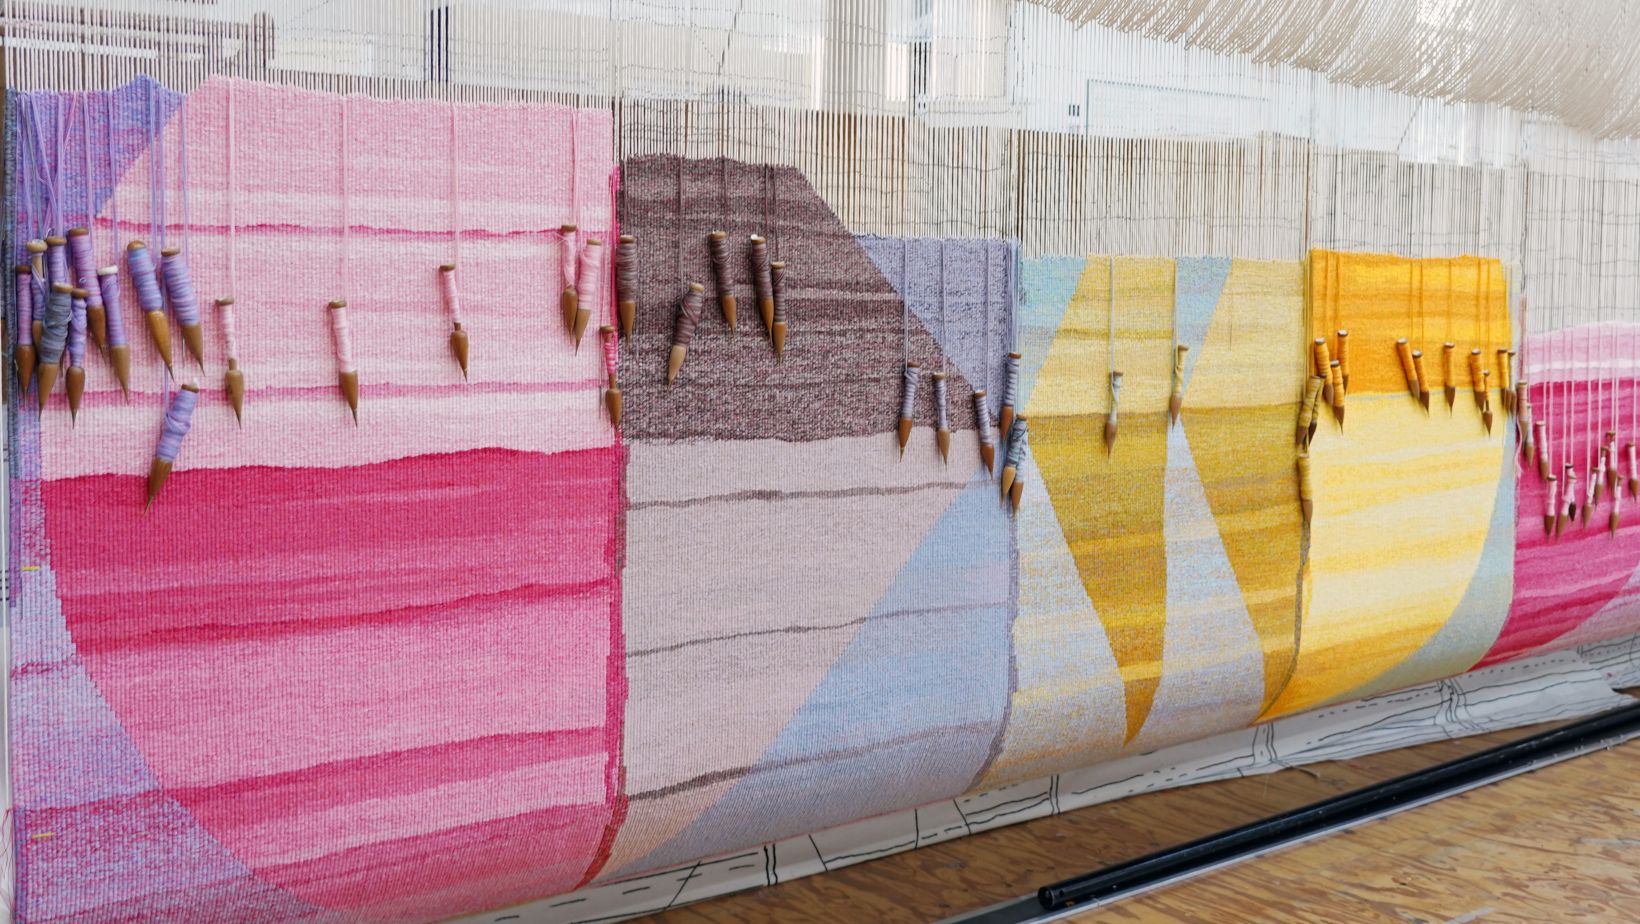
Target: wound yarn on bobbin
<point>567,298</point>
<point>25,325</point>
<point>758,256</point>
<point>987,435</point>
<point>777,290</point>
<point>85,271</point>
<point>1017,437</point>
<point>908,402</point>
<point>452,304</point>
<point>626,281</point>
<point>233,381</point>
<point>145,279</point>
<point>717,246</point>
<point>74,381</point>
<point>54,336</point>
<point>590,287</point>
<point>179,417</point>
<point>683,329</point>
<point>119,348</point>
<point>347,376</point>
<point>179,285</point>
<point>1010,392</point>
<point>57,261</point>
<point>942,419</point>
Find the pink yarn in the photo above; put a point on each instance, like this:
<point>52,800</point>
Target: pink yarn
<point>452,297</point>
<point>344,339</point>
<point>592,277</point>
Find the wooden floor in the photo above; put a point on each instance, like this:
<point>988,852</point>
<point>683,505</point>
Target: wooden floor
<point>1560,844</point>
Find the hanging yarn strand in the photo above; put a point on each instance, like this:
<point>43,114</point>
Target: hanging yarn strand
<point>146,281</point>
<point>1110,418</point>
<point>178,419</point>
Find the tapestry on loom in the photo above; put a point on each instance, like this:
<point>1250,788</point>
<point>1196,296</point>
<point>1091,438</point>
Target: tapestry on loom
<point>483,647</point>
<point>328,652</point>
<point>1411,545</point>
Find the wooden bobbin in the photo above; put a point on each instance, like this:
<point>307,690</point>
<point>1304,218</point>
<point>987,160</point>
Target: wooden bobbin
<point>1597,478</point>
<point>777,333</point>
<point>159,469</point>
<point>1486,401</point>
<point>1344,355</point>
<point>74,376</point>
<point>627,307</point>
<point>674,361</point>
<point>1306,411</point>
<point>37,256</point>
<point>1552,509</point>
<point>903,431</point>
<point>25,351</point>
<point>1450,385</point>
<point>583,311</point>
<point>1111,418</point>
<point>1016,492</point>
<point>159,332</point>
<point>1610,455</point>
<point>1568,505</point>
<point>568,300</point>
<point>348,382</point>
<point>1591,497</point>
<point>1306,500</point>
<point>1323,368</point>
<point>1005,418</point>
<point>193,335</point>
<point>987,451</point>
<point>1634,472</point>
<point>48,372</point>
<point>458,337</point>
<point>612,394</point>
<point>233,381</point>
<point>1175,404</point>
<point>119,355</point>
<point>1423,380</point>
<point>765,299</point>
<point>1338,391</point>
<point>726,298</point>
<point>1506,392</point>
<point>96,317</point>
<point>942,435</point>
<point>1409,369</point>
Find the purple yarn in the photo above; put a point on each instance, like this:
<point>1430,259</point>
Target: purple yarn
<point>76,334</point>
<point>54,326</point>
<point>110,284</point>
<point>145,279</point>
<point>85,265</point>
<point>178,418</point>
<point>25,309</point>
<point>179,285</point>
<point>57,264</point>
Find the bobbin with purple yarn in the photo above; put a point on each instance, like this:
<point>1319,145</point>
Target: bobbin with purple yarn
<point>85,264</point>
<point>76,333</point>
<point>57,261</point>
<point>908,393</point>
<point>145,279</point>
<point>761,279</point>
<point>777,289</point>
<point>1018,436</point>
<point>179,285</point>
<point>717,243</point>
<point>941,414</point>
<point>178,418</point>
<point>683,331</point>
<point>982,417</point>
<point>108,280</point>
<point>25,309</point>
<point>54,325</point>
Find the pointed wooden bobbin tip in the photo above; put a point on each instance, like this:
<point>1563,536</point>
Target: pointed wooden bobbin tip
<point>674,362</point>
<point>25,364</point>
<point>1015,493</point>
<point>727,302</point>
<point>160,333</point>
<point>233,382</point>
<point>458,347</point>
<point>194,336</point>
<point>1009,473</point>
<point>568,306</point>
<point>582,316</point>
<point>120,358</point>
<point>1005,420</point>
<point>158,471</point>
<point>904,433</point>
<point>48,377</point>
<point>74,382</point>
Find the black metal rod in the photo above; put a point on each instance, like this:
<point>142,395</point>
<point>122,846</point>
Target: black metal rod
<point>1340,811</point>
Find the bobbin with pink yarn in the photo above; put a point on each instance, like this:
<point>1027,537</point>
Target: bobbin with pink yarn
<point>626,281</point>
<point>589,287</point>
<point>568,297</point>
<point>452,303</point>
<point>347,375</point>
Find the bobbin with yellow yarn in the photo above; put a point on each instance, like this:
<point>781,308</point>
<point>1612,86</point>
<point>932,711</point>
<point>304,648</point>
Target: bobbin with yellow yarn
<point>1306,500</point>
<point>1506,392</point>
<point>1477,384</point>
<point>1336,371</point>
<point>1323,368</point>
<point>1344,356</point>
<point>1450,383</point>
<point>1486,401</point>
<point>1306,411</point>
<point>1423,380</point>
<point>1409,371</point>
